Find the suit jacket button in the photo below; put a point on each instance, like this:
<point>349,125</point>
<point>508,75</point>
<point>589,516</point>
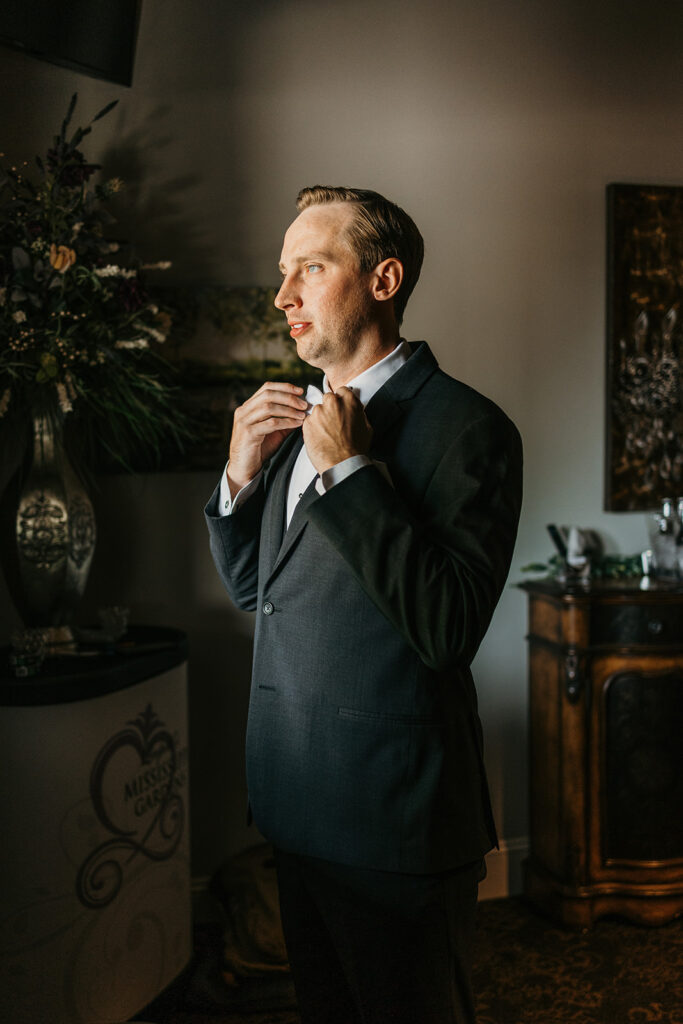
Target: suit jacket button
<point>268,608</point>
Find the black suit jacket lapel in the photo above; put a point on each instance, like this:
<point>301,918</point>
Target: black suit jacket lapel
<point>278,538</point>
<point>298,522</point>
<point>279,471</point>
<point>386,405</point>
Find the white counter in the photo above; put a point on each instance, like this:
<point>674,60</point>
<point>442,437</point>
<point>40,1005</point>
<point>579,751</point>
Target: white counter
<point>94,861</point>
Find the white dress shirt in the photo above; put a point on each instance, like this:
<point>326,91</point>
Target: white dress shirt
<point>364,387</point>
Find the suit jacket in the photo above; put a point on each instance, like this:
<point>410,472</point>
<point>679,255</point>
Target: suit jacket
<point>363,741</point>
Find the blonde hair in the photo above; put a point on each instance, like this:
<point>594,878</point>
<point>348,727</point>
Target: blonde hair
<point>380,230</point>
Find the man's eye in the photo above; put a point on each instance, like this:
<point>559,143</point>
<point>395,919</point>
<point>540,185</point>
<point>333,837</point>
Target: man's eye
<point>313,268</point>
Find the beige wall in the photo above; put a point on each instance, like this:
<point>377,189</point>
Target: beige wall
<point>497,124</point>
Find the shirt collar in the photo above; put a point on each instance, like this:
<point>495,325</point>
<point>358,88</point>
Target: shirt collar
<point>367,383</point>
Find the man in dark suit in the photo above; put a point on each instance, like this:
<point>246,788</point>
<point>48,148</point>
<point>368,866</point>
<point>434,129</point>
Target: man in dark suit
<point>371,528</point>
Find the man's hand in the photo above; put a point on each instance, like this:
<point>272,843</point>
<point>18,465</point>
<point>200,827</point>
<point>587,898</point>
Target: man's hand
<point>336,430</point>
<point>259,428</point>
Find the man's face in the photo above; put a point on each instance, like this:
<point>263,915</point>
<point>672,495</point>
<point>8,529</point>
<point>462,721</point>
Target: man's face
<point>326,298</point>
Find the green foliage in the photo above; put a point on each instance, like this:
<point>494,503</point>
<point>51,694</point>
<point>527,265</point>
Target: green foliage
<point>605,567</point>
<point>79,331</point>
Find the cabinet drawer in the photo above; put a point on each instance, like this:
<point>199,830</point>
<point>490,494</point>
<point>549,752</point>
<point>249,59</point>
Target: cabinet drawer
<point>637,624</point>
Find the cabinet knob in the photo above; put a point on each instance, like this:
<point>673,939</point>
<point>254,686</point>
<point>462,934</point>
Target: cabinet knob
<point>655,626</point>
<point>573,676</point>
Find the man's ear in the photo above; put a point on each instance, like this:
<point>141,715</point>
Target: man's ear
<point>387,278</point>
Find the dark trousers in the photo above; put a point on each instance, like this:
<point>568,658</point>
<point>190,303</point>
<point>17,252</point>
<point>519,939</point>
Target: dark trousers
<point>374,947</point>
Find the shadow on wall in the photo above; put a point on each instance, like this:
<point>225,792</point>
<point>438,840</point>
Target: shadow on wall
<point>153,556</point>
<point>153,211</point>
<point>219,680</point>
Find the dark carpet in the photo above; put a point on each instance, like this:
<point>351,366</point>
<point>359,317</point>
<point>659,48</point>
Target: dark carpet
<point>528,970</point>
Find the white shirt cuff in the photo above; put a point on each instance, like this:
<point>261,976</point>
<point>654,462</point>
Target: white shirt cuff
<point>335,474</point>
<point>226,504</point>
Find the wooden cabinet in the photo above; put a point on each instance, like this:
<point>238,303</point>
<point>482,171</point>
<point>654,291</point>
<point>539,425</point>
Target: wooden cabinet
<point>606,751</point>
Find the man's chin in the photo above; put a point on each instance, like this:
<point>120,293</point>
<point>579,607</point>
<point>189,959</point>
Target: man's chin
<point>309,352</point>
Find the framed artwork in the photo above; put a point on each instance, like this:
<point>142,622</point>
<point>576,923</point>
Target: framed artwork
<point>644,421</point>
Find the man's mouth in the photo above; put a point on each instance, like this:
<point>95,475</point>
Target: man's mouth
<point>297,327</point>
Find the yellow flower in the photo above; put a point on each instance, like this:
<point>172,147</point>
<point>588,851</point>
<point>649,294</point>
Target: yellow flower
<point>61,258</point>
<point>164,320</point>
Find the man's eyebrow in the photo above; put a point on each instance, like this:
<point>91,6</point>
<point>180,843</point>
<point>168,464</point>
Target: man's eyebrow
<point>322,254</point>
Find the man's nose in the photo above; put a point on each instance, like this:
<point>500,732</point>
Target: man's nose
<point>287,296</point>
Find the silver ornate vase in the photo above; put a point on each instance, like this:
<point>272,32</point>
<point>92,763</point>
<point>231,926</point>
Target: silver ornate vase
<point>47,554</point>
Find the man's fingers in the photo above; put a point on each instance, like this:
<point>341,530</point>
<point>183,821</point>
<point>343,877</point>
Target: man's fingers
<point>276,398</point>
<point>342,399</point>
<point>271,402</point>
<point>280,385</point>
<point>346,394</point>
<point>287,393</point>
<point>260,425</point>
<point>264,427</point>
<point>276,393</point>
<point>252,417</point>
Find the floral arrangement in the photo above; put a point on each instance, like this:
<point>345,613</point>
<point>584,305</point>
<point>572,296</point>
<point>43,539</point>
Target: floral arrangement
<point>79,332</point>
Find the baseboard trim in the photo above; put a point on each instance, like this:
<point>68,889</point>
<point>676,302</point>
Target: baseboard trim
<point>504,869</point>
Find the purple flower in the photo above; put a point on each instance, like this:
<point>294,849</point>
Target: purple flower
<point>75,172</point>
<point>131,294</point>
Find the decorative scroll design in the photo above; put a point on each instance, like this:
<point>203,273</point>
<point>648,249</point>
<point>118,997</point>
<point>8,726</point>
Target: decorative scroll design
<point>82,530</point>
<point>42,533</point>
<point>647,403</point>
<point>644,346</point>
<point>162,816</point>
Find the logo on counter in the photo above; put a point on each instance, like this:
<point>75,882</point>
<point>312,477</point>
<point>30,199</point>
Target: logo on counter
<point>135,789</point>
